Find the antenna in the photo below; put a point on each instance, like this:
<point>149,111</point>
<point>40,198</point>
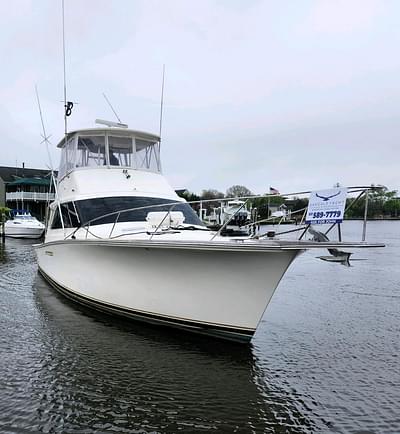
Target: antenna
<point>64,69</point>
<point>112,108</point>
<point>44,135</point>
<point>46,140</point>
<point>162,100</point>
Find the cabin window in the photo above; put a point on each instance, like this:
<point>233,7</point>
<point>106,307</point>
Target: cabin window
<point>90,209</point>
<point>148,155</point>
<point>69,215</point>
<point>67,157</point>
<point>110,149</point>
<point>91,151</point>
<point>120,151</point>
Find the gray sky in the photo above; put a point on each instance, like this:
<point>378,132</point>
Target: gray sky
<point>290,94</point>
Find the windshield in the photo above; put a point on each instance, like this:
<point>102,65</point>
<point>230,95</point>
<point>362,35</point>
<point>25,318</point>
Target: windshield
<point>91,151</point>
<point>90,209</point>
<point>121,151</point>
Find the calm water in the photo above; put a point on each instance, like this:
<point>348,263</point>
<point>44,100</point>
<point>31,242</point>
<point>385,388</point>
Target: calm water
<point>325,358</point>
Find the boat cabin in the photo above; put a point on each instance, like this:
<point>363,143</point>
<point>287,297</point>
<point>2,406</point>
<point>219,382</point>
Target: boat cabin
<point>110,147</point>
<point>235,203</point>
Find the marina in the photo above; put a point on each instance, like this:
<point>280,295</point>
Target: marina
<point>199,217</point>
<point>324,359</point>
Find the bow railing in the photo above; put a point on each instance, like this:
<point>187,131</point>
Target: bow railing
<point>362,190</point>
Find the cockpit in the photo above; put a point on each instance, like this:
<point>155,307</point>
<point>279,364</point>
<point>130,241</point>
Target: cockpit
<point>110,148</point>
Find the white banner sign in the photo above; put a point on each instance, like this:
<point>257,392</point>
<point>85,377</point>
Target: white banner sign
<point>326,206</point>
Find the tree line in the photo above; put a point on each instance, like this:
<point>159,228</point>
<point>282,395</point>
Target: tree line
<point>382,203</point>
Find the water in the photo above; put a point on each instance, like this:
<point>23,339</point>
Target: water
<point>325,357</point>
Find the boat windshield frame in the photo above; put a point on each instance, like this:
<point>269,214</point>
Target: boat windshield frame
<point>88,149</point>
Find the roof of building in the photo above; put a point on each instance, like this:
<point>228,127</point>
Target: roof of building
<point>31,181</point>
<point>10,174</point>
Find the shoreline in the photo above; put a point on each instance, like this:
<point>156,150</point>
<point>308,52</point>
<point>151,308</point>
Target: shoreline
<point>385,219</point>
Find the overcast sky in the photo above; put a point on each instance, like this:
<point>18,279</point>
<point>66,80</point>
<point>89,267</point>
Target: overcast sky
<point>290,94</point>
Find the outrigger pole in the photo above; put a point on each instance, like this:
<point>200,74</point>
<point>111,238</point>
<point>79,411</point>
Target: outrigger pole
<point>46,140</point>
<point>162,101</point>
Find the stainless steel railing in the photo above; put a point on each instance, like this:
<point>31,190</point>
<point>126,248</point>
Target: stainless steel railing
<point>362,190</point>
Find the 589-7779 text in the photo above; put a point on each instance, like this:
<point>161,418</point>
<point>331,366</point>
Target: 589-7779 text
<point>326,214</point>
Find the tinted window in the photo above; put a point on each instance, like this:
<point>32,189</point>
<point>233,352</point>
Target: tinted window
<point>70,217</point>
<point>92,208</point>
<point>56,222</point>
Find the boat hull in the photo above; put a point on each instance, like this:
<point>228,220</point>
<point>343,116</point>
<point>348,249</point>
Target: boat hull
<point>218,292</point>
<point>21,232</point>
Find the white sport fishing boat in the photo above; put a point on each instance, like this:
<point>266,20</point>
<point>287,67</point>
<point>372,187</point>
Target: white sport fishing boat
<point>235,216</point>
<point>23,225</point>
<point>120,240</point>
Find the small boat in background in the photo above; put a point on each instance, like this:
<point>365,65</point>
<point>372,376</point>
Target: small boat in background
<point>23,225</point>
<point>233,215</point>
<point>236,216</point>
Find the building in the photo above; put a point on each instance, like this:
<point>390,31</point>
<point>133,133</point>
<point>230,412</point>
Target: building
<point>23,188</point>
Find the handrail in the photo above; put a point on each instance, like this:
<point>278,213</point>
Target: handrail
<point>29,195</point>
<point>183,201</point>
<point>354,189</point>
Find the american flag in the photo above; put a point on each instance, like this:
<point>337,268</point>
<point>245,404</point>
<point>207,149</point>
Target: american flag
<point>273,191</point>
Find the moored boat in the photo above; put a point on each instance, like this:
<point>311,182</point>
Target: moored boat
<point>23,225</point>
<point>120,240</point>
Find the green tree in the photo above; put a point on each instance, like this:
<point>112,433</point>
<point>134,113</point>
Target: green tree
<point>211,194</point>
<point>190,197</point>
<point>381,202</point>
<point>4,213</point>
<point>392,207</point>
<point>238,191</point>
<point>262,204</point>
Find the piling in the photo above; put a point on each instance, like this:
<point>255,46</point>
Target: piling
<point>3,213</point>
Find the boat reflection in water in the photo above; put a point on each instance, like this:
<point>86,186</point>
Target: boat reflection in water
<point>99,374</point>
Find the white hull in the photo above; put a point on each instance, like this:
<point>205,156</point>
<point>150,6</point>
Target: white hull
<point>21,232</point>
<point>119,239</point>
<point>216,291</point>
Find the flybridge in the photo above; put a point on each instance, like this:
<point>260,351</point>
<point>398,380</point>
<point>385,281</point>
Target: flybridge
<point>110,147</point>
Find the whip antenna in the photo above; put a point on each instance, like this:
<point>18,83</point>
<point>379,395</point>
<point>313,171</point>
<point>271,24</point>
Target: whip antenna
<point>112,108</point>
<point>162,101</point>
<point>67,104</point>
